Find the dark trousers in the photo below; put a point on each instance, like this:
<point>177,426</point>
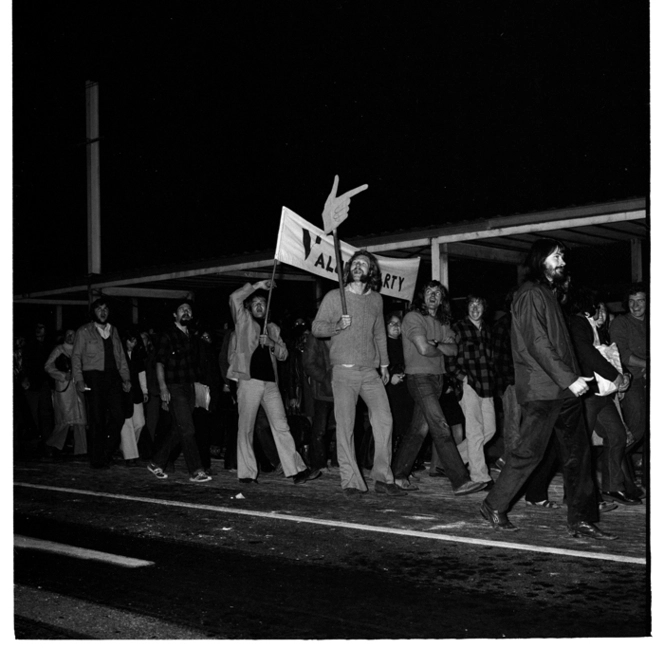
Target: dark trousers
<point>425,389</point>
<point>537,485</point>
<point>402,406</point>
<point>538,421</point>
<point>182,431</point>
<point>105,414</point>
<point>603,411</point>
<point>41,409</point>
<point>320,429</point>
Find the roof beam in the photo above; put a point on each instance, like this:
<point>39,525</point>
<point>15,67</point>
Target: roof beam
<point>530,228</point>
<point>483,253</point>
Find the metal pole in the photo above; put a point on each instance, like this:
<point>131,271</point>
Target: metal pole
<point>340,270</point>
<point>269,297</point>
<point>92,153</point>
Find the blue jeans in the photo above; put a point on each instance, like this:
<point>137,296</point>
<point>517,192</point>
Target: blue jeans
<point>182,429</point>
<point>538,421</point>
<point>428,416</point>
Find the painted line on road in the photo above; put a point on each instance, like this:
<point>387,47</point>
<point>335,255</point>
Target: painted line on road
<point>30,543</point>
<point>95,621</point>
<point>353,526</point>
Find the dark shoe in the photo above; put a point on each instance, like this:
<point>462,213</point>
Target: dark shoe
<point>388,489</point>
<point>488,484</point>
<point>498,520</point>
<point>583,528</point>
<point>469,487</point>
<point>351,492</point>
<point>605,506</point>
<point>437,472</point>
<point>405,484</point>
<point>248,480</point>
<point>621,497</point>
<point>306,475</point>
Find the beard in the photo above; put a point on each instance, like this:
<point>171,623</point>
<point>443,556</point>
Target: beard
<point>364,278</point>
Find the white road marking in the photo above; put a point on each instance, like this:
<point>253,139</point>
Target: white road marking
<point>79,553</point>
<point>95,620</point>
<point>353,526</point>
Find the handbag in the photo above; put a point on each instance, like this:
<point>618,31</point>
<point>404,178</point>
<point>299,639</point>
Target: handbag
<point>63,363</point>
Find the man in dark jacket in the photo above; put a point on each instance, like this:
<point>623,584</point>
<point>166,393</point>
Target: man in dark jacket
<point>100,371</point>
<point>548,384</point>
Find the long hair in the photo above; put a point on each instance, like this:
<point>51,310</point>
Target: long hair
<point>443,312</point>
<point>374,282</point>
<point>540,250</point>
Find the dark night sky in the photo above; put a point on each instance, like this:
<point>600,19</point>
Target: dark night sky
<point>214,115</point>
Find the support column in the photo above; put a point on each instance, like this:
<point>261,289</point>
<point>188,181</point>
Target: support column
<point>637,260</point>
<point>58,317</point>
<point>440,263</point>
<point>92,150</point>
<point>134,310</point>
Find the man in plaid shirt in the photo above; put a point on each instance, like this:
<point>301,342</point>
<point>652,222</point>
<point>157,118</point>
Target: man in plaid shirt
<point>474,366</point>
<point>177,371</point>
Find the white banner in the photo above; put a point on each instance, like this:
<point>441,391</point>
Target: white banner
<point>305,246</point>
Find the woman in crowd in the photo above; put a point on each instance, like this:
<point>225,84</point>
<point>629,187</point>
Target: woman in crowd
<point>134,400</point>
<point>67,400</point>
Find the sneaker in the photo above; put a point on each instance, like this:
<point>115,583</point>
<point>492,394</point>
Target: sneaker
<point>157,471</point>
<point>200,476</point>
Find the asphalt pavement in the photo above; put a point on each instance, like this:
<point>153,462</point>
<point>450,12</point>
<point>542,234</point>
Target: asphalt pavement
<point>305,562</point>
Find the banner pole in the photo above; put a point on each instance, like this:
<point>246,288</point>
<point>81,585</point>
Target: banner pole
<point>269,296</point>
<point>337,251</point>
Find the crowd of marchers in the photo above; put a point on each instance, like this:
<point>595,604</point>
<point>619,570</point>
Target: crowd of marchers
<point>556,383</point>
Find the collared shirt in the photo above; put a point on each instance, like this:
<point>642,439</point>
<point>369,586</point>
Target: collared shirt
<point>502,353</point>
<point>475,356</point>
<point>178,353</point>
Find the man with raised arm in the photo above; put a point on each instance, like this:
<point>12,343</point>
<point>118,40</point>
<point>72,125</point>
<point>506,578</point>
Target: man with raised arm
<point>253,354</point>
<point>548,384</point>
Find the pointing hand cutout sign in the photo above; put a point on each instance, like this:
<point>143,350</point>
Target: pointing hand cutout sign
<point>336,207</point>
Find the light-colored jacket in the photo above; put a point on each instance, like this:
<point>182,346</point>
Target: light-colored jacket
<point>244,340</point>
<point>88,353</point>
<point>68,402</point>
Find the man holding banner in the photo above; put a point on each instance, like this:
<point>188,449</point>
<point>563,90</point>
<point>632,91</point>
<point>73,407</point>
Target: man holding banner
<point>358,346</point>
<point>255,348</point>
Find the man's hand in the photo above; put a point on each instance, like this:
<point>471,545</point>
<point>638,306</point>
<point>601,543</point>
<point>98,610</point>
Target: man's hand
<point>146,397</point>
<point>126,386</point>
<point>580,386</point>
<point>165,396</point>
<point>265,284</point>
<point>336,207</point>
<point>622,382</point>
<point>81,387</point>
<point>344,322</point>
<point>384,372</point>
<point>397,378</point>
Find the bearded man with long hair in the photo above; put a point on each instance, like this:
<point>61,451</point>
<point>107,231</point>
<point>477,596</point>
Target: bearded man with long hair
<point>358,347</point>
